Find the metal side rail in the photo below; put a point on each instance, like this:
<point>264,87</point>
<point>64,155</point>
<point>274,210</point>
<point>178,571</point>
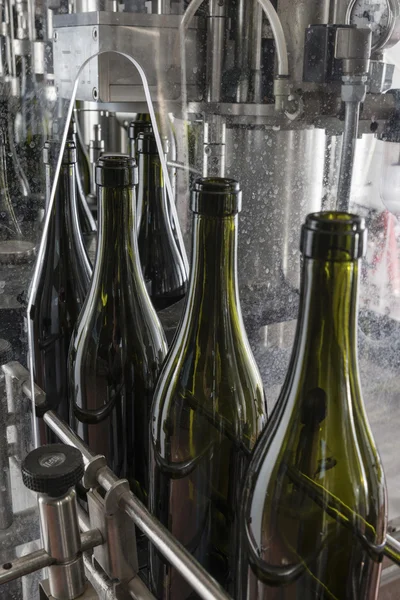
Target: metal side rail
<point>113,567</point>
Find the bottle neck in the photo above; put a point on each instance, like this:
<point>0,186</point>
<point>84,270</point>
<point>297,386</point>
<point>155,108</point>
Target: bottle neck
<point>213,276</point>
<point>150,173</point>
<point>116,242</point>
<point>327,325</point>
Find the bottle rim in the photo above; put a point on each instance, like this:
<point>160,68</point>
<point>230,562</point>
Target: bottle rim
<point>51,152</point>
<point>334,235</point>
<point>116,170</point>
<point>146,143</point>
<point>137,127</point>
<point>216,197</point>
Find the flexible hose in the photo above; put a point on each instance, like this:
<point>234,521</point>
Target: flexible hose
<point>274,21</point>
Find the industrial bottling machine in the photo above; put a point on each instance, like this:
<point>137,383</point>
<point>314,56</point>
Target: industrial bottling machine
<point>299,100</point>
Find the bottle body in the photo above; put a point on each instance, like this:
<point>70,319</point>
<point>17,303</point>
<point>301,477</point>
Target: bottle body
<point>208,411</point>
<point>118,345</point>
<point>314,507</point>
<point>162,264</point>
<point>61,289</point>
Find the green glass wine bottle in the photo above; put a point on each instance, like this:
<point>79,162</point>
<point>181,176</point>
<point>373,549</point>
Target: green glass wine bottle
<point>314,505</point>
<point>62,284</point>
<point>209,406</point>
<point>162,265</point>
<point>118,345</point>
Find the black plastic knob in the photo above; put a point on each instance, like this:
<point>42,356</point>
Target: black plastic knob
<point>52,469</point>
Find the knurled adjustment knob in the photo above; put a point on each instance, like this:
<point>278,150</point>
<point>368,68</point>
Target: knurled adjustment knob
<point>52,469</point>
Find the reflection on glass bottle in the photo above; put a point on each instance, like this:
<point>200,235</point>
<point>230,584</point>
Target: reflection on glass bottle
<point>209,406</point>
<point>315,497</point>
<point>62,284</point>
<point>118,345</point>
<point>162,265</point>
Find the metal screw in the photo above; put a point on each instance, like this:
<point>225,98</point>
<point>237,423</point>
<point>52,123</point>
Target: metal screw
<point>55,36</point>
<point>207,150</point>
<point>95,93</point>
<point>94,33</point>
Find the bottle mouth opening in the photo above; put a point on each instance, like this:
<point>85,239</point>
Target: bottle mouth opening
<point>51,152</point>
<point>116,170</point>
<point>216,197</point>
<point>334,236</point>
<point>137,127</point>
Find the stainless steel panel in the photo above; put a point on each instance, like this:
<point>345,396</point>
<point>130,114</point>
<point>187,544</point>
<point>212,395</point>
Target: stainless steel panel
<point>152,40</point>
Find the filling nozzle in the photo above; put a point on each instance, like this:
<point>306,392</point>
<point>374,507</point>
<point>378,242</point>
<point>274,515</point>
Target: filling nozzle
<point>353,47</point>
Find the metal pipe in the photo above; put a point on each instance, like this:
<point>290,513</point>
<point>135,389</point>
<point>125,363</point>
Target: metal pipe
<point>350,132</point>
<point>215,49</point>
<point>90,539</point>
<point>138,591</point>
<point>392,549</point>
<point>25,565</point>
<point>255,53</point>
<point>67,435</point>
<point>206,587</point>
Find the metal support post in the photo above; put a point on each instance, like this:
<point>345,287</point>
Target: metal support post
<point>216,23</point>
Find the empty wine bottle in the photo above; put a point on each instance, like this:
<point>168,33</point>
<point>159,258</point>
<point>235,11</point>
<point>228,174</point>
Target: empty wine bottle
<point>162,265</point>
<point>134,129</point>
<point>118,345</point>
<point>314,521</point>
<point>62,284</point>
<point>209,406</point>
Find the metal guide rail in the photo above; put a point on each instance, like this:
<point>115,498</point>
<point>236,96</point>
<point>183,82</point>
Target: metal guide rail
<point>109,526</point>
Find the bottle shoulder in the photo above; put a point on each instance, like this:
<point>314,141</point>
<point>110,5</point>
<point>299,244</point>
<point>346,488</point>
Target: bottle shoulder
<point>220,390</point>
<point>317,470</point>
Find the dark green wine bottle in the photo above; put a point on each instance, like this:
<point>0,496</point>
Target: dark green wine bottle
<point>162,265</point>
<point>315,497</point>
<point>118,345</point>
<point>209,405</point>
<point>62,284</point>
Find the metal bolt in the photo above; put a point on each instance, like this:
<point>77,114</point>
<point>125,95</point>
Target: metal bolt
<point>207,150</point>
<point>95,93</point>
<point>55,36</point>
<point>94,33</point>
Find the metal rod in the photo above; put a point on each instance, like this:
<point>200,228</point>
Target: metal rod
<point>90,539</point>
<point>67,435</point>
<point>138,591</point>
<point>215,49</point>
<point>352,112</point>
<point>392,549</point>
<point>25,565</point>
<point>206,587</point>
